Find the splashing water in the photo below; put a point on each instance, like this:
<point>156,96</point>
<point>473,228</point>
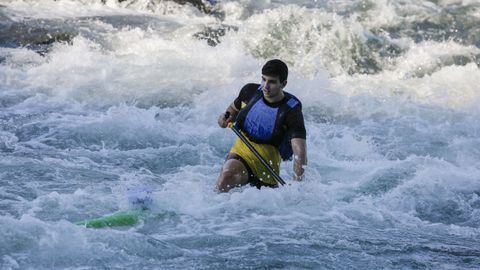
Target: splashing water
<point>97,97</point>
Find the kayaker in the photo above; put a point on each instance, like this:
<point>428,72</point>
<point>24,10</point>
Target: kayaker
<point>272,121</point>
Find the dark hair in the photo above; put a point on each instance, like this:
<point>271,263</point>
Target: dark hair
<point>276,67</point>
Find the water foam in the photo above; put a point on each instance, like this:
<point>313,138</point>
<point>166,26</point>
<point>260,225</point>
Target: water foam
<point>392,155</point>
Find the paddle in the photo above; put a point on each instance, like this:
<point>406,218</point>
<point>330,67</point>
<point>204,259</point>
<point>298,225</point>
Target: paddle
<point>250,146</point>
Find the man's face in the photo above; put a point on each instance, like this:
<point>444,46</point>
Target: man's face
<point>271,86</point>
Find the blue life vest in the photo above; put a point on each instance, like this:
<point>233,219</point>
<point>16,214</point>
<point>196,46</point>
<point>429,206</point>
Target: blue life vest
<point>265,124</point>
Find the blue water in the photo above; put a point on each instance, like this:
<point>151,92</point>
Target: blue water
<point>98,99</point>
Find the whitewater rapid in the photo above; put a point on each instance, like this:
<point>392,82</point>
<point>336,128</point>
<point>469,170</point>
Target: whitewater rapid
<point>96,98</point>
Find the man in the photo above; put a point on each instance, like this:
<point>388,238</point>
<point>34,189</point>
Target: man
<point>272,120</point>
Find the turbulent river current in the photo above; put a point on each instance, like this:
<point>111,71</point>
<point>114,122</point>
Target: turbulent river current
<point>99,97</point>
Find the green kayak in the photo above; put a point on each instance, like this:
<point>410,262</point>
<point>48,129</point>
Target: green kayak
<point>123,219</point>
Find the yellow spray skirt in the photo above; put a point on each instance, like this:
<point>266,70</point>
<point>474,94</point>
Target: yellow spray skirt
<point>268,152</point>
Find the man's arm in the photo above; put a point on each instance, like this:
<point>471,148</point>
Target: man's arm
<point>222,122</point>
<point>299,147</point>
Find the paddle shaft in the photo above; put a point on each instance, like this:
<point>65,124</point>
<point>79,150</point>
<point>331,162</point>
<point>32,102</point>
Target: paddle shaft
<point>254,151</point>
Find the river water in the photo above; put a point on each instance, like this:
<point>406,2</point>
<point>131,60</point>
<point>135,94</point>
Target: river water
<point>97,98</point>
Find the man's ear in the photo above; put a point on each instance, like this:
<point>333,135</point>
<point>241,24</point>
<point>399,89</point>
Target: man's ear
<point>284,83</point>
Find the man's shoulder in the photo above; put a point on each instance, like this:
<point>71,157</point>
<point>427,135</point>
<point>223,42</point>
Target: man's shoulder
<point>292,100</point>
<point>248,91</point>
<point>251,87</point>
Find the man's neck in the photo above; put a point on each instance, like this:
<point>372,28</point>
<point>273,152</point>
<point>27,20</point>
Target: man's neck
<point>275,99</point>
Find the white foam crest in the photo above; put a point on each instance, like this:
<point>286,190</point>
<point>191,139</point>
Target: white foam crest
<point>183,194</point>
<point>63,244</point>
<point>451,87</point>
<point>466,151</point>
<point>441,82</point>
<point>383,13</point>
<point>168,123</point>
<point>36,236</point>
<point>234,11</point>
<point>9,263</point>
<point>313,39</point>
<point>476,13</point>
<point>437,185</point>
<point>457,2</point>
<point>145,67</point>
<point>123,123</point>
<point>140,66</point>
<point>79,205</point>
<point>156,7</point>
<point>309,39</point>
<point>19,10</point>
<point>299,202</point>
<point>51,9</point>
<point>13,71</point>
<point>8,141</point>
<point>427,57</point>
<point>350,184</point>
<point>295,35</point>
<point>438,193</point>
<point>345,144</point>
<point>19,57</point>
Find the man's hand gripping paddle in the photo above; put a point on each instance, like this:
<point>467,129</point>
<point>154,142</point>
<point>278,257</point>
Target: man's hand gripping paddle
<point>250,146</point>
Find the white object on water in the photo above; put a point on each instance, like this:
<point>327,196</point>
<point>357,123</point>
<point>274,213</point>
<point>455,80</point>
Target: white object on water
<point>140,196</point>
